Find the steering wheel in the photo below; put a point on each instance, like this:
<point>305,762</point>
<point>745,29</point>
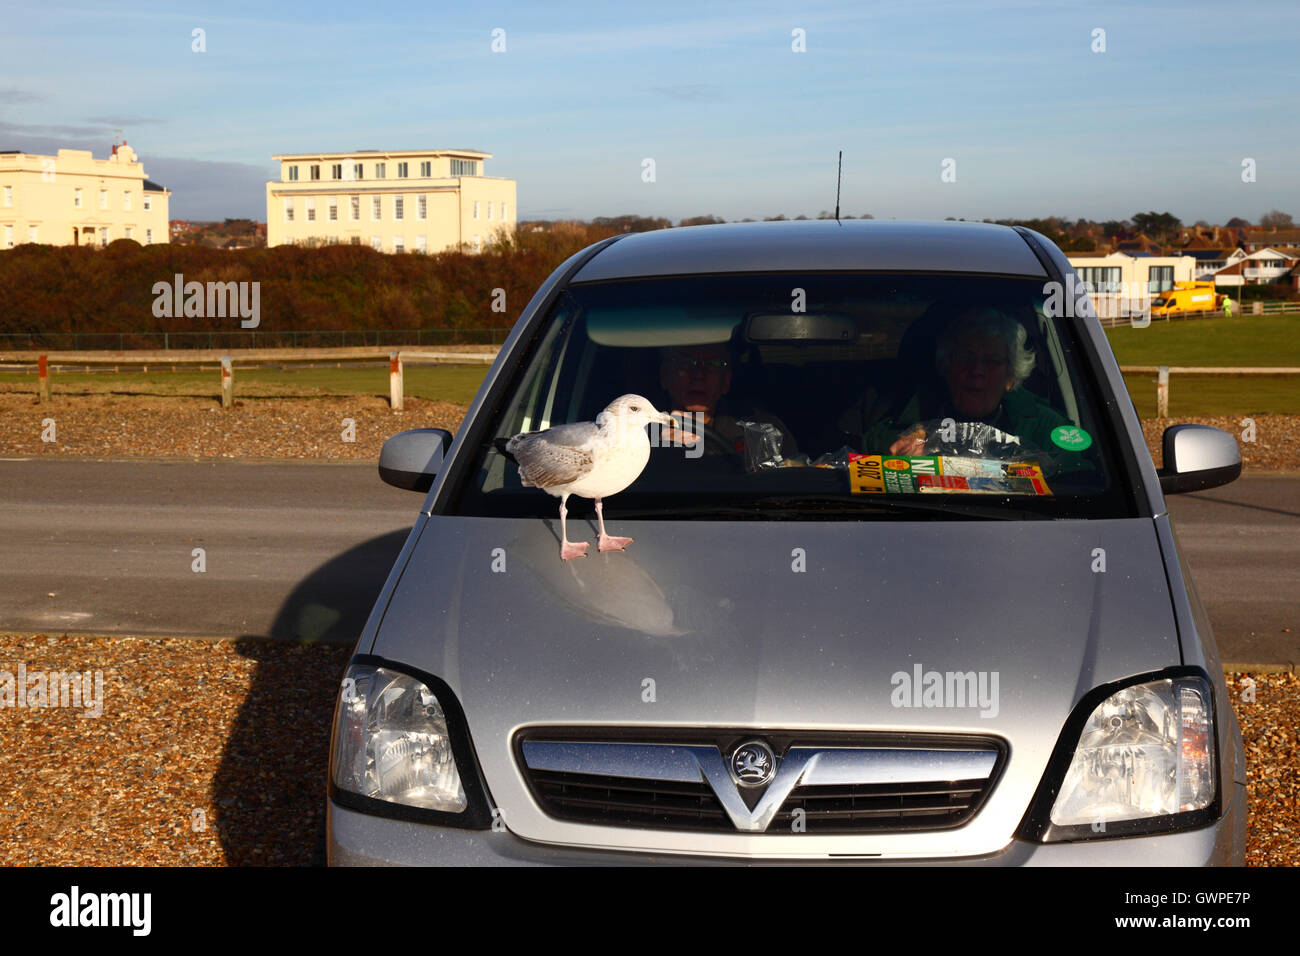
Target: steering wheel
<point>714,442</point>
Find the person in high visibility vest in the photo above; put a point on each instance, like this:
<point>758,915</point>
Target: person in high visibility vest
<point>1227,306</point>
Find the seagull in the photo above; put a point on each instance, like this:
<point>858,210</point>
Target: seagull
<point>589,459</point>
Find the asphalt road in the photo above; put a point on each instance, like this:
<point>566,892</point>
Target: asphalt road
<point>299,550</point>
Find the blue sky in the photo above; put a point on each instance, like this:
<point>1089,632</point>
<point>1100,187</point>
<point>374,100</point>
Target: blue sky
<point>737,123</point>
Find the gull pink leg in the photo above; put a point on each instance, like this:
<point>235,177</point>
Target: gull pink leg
<point>570,549</point>
<point>606,542</point>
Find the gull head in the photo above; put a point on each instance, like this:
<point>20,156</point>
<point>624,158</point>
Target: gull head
<point>631,412</point>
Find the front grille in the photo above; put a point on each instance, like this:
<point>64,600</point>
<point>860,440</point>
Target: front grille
<point>628,802</point>
<point>882,807</point>
<point>831,784</point>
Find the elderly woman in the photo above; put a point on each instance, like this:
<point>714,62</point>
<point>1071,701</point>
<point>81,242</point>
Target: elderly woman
<point>983,359</point>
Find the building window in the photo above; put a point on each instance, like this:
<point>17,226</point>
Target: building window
<point>31,233</point>
<point>148,236</point>
<point>355,241</point>
<point>9,237</point>
<point>288,210</point>
<point>1160,278</point>
<point>129,232</point>
<point>381,170</point>
<point>399,244</point>
<point>464,167</point>
<point>475,208</point>
<point>357,170</point>
<point>76,199</point>
<point>103,199</point>
<point>489,210</point>
<point>503,212</point>
<point>310,203</point>
<point>355,205</point>
<point>126,200</point>
<point>1104,279</point>
<point>376,244</point>
<point>336,171</point>
<point>293,174</point>
<point>148,203</point>
<point>421,243</point>
<point>399,207</point>
<point>9,195</point>
<point>426,169</point>
<point>422,207</point>
<point>103,235</point>
<point>402,170</point>
<point>478,244</point>
<point>334,209</point>
<point>315,172</point>
<point>376,209</point>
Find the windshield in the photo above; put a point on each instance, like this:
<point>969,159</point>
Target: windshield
<point>816,395</point>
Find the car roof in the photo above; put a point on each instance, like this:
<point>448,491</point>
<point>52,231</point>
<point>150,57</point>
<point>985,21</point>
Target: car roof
<point>817,245</point>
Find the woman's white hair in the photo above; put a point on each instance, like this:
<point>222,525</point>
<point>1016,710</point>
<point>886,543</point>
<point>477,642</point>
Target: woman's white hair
<point>989,321</point>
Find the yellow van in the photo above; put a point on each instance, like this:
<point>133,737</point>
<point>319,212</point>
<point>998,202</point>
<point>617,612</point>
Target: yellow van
<point>1187,297</point>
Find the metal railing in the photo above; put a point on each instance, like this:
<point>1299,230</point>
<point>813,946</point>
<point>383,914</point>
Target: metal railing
<point>252,339</point>
<point>1257,307</point>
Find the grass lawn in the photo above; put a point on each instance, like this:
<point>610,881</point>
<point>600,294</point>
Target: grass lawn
<point>1197,395</point>
<point>1268,340</point>
<point>445,383</point>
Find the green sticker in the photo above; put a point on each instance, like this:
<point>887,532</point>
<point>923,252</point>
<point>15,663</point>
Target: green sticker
<point>1071,438</point>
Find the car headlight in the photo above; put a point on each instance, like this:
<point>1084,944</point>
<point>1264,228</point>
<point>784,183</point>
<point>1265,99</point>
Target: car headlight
<point>1144,760</point>
<point>391,742</point>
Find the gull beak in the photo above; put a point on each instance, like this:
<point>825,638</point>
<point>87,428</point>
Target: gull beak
<point>664,418</point>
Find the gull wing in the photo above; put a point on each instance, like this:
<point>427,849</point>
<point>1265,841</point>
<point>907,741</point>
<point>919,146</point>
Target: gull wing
<point>557,456</point>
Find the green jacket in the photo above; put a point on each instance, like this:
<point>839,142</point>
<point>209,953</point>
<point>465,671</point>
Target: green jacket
<point>1019,413</point>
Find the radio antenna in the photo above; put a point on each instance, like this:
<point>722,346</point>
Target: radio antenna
<point>839,175</point>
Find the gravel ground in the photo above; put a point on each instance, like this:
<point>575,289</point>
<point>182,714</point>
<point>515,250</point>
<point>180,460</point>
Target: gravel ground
<point>1276,444</point>
<point>120,426</point>
<point>206,753</point>
<point>214,753</point>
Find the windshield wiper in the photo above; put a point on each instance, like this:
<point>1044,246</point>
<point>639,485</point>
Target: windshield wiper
<point>894,504</point>
<point>812,506</point>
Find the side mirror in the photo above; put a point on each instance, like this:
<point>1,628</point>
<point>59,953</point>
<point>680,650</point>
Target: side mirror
<point>1197,457</point>
<point>411,459</point>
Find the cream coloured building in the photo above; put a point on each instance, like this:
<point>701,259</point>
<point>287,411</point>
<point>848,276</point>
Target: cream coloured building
<point>1119,281</point>
<point>75,199</point>
<point>405,201</point>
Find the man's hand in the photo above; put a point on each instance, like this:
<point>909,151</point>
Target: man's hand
<point>677,433</point>
<point>910,445</point>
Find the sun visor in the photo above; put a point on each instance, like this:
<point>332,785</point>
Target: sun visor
<point>649,326</point>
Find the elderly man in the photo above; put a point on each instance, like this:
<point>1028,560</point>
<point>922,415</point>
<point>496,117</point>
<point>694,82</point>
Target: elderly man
<point>697,379</point>
<point>983,359</point>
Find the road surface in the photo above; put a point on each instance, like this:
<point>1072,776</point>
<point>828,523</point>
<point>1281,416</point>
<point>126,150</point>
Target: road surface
<point>300,550</point>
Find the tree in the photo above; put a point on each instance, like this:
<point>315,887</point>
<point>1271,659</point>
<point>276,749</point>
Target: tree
<point>701,221</point>
<point>1236,222</point>
<point>1157,225</point>
<point>1115,228</point>
<point>1276,219</point>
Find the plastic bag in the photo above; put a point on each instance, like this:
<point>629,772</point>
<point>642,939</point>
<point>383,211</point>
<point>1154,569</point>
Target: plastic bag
<point>956,439</point>
<point>762,445</point>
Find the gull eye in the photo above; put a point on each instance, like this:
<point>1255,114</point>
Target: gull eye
<point>634,408</point>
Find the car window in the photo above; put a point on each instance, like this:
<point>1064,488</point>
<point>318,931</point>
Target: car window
<point>820,393</point>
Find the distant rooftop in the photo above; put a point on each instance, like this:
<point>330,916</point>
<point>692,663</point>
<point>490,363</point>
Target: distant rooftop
<point>475,153</point>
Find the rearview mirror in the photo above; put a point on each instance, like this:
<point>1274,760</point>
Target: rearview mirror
<point>411,459</point>
<point>1196,457</point>
<point>801,327</point>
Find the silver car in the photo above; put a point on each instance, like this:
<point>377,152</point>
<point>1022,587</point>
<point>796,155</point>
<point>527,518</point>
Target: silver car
<point>901,585</point>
